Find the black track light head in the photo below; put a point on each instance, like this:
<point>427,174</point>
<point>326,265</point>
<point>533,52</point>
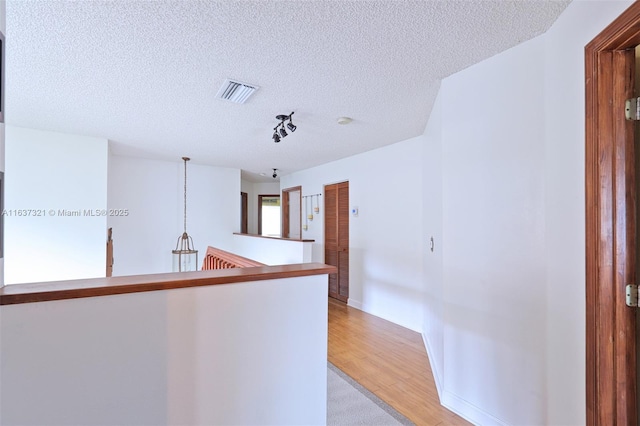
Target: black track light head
<point>275,174</point>
<point>280,127</point>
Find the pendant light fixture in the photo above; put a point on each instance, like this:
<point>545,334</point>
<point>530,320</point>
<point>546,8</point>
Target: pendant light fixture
<point>185,256</point>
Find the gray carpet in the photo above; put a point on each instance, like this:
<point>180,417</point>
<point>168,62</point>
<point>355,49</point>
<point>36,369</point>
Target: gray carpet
<point>348,403</point>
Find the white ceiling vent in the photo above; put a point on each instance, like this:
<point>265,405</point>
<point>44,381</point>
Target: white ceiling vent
<point>235,91</point>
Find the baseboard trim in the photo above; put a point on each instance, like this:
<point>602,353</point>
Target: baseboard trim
<point>355,304</point>
<point>434,370</point>
<point>468,411</point>
<point>362,307</point>
<point>454,403</point>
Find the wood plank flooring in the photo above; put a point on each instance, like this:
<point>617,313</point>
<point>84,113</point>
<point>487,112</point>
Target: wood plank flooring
<point>390,361</point>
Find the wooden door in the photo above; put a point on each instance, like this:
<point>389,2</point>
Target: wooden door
<point>611,378</point>
<point>336,238</point>
<point>109,252</point>
<point>244,207</point>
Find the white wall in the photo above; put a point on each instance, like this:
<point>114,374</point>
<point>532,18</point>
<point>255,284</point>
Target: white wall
<point>433,331</point>
<point>494,248</point>
<point>272,251</point>
<point>385,245</point>
<point>3,28</point>
<point>564,203</point>
<point>295,216</point>
<point>504,343</point>
<point>253,189</point>
<point>152,192</point>
<point>51,172</point>
<point>225,354</point>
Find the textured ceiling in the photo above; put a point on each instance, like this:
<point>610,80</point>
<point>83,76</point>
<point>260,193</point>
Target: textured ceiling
<point>144,74</point>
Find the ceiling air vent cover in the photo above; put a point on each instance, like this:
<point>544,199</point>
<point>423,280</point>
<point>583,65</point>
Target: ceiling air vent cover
<point>235,91</point>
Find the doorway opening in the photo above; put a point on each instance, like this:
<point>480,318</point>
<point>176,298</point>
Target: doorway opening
<point>269,215</point>
<point>292,213</point>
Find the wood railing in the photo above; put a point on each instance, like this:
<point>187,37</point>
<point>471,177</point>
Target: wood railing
<point>220,259</point>
<point>76,289</point>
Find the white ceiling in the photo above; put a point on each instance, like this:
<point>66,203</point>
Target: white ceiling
<point>144,74</point>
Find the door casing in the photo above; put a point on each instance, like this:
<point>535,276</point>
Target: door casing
<point>610,210</point>
<point>286,219</point>
<point>244,212</point>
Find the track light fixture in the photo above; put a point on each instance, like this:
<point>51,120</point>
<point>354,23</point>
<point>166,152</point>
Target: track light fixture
<point>280,127</point>
<point>275,174</point>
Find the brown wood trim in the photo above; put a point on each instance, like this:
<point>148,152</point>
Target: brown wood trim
<point>592,200</point>
<point>274,238</point>
<point>244,212</point>
<point>109,271</point>
<point>75,289</point>
<point>610,224</point>
<point>622,33</point>
<point>284,203</point>
<point>625,246</point>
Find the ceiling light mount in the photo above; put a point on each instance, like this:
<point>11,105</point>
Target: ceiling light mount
<point>280,127</point>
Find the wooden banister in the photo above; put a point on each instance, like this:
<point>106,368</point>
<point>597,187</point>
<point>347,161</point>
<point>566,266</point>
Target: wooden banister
<point>220,259</point>
<point>75,289</point>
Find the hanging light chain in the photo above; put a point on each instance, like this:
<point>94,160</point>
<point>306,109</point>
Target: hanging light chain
<point>185,192</point>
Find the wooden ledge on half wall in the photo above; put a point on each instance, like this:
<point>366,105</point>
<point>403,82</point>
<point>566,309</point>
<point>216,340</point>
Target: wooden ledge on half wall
<point>274,238</point>
<point>75,289</point>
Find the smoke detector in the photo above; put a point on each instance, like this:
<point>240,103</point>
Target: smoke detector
<point>235,91</point>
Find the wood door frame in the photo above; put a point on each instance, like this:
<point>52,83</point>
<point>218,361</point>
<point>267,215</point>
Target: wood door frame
<point>109,271</point>
<point>260,197</point>
<point>244,212</point>
<point>284,205</point>
<point>610,223</point>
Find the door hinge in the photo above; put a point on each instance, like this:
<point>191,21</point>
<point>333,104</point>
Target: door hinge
<point>632,109</point>
<point>632,295</point>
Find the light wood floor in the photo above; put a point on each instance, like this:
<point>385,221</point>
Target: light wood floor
<point>389,360</point>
